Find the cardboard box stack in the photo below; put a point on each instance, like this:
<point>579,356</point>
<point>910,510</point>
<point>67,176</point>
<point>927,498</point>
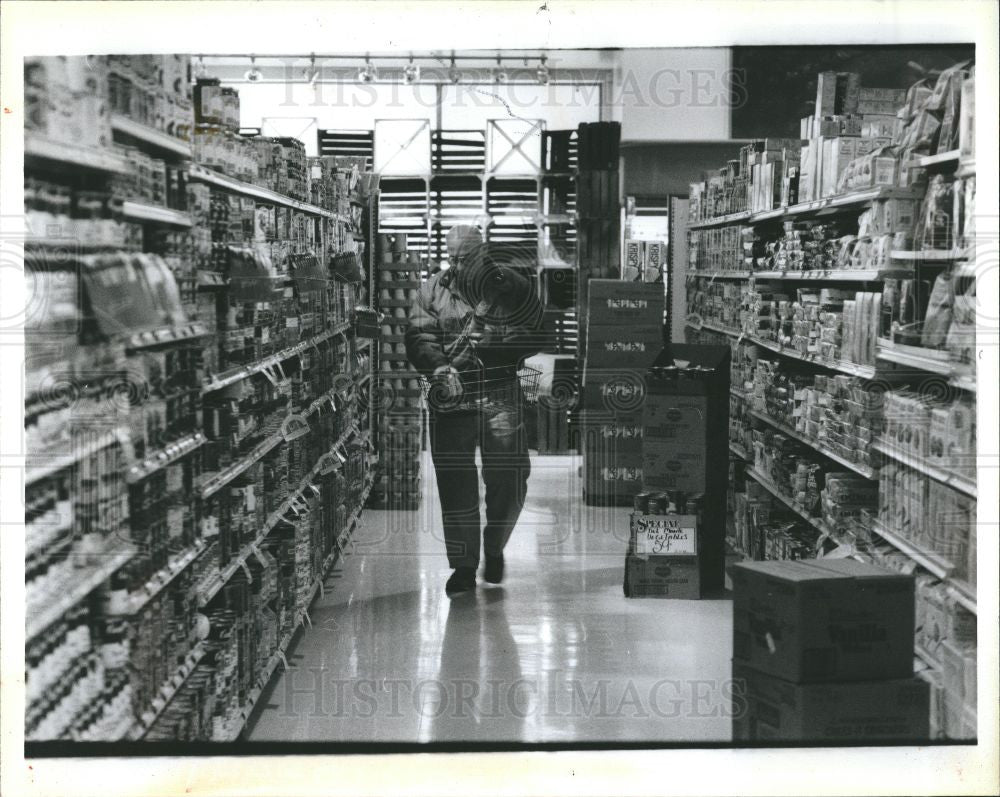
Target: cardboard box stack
<point>624,337</point>
<point>684,433</point>
<point>849,122</point>
<point>823,651</point>
<point>400,434</point>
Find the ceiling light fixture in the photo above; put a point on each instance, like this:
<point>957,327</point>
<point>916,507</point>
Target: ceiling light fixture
<point>454,75</point>
<point>367,73</point>
<point>411,72</point>
<point>253,74</point>
<point>499,73</point>
<point>542,73</point>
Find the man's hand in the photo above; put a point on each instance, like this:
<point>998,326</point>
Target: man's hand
<point>447,382</point>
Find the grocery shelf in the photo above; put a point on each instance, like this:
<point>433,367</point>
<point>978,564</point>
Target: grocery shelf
<point>855,198</point>
<point>278,656</point>
<point>837,275</point>
<point>941,158</point>
<point>957,481</point>
<point>734,333</point>
<point>203,175</point>
<point>925,656</point>
<point>167,692</point>
<point>220,579</point>
<point>38,618</point>
<point>933,361</point>
<point>943,255</point>
<point>150,135</point>
<point>964,381</point>
<point>739,450</point>
<point>844,367</point>
<point>157,337</point>
<point>720,221</point>
<point>137,211</point>
<point>826,205</point>
<point>211,279</point>
<point>134,603</point>
<point>930,561</point>
<point>242,372</point>
<point>740,394</point>
<point>720,275</point>
<point>859,468</point>
<point>55,462</point>
<point>791,503</point>
<point>217,481</point>
<point>167,455</point>
<point>73,155</point>
<point>964,593</point>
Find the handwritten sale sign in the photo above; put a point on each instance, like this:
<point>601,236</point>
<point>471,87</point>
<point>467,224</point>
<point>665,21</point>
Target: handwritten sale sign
<point>665,535</point>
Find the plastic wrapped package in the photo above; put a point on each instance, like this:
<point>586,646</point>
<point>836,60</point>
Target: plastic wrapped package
<point>938,319</point>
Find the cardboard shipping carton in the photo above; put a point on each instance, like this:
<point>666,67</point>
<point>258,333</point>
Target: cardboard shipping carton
<point>823,620</point>
<point>662,577</point>
<point>767,708</point>
<point>625,345</point>
<point>612,302</point>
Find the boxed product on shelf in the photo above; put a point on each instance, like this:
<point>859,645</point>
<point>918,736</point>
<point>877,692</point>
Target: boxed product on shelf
<point>67,100</point>
<point>837,93</point>
<point>774,710</point>
<point>824,620</point>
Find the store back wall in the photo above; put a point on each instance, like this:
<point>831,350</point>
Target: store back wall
<point>668,168</point>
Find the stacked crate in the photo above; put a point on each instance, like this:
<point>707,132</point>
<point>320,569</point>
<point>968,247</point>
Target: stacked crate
<point>401,420</point>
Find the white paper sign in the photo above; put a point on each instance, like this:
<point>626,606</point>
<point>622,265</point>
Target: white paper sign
<point>665,535</point>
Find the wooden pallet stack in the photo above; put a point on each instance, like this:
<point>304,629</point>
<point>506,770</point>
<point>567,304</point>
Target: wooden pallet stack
<point>597,210</point>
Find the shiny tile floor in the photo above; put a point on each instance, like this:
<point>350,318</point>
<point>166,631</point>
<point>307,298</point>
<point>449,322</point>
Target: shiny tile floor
<point>555,654</point>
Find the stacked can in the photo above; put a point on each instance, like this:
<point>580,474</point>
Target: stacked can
<point>401,419</point>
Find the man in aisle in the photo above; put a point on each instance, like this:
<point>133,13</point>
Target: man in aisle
<point>471,326</point>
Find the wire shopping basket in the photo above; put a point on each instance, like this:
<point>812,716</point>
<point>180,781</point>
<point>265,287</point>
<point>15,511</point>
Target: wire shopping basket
<point>505,388</point>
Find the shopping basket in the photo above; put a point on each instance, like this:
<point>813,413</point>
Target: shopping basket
<point>503,388</point>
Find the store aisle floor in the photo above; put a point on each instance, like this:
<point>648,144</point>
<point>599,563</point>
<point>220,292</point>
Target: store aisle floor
<point>555,654</point>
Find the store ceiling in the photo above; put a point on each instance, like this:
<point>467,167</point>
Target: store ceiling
<point>474,65</point>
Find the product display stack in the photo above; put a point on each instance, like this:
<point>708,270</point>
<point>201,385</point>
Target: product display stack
<point>683,433</point>
<point>197,454</point>
<point>399,390</point>
<point>624,337</point>
<point>823,652</point>
<point>844,285</point>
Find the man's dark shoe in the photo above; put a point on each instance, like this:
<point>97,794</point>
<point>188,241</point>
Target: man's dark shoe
<point>462,580</point>
<point>493,572</point>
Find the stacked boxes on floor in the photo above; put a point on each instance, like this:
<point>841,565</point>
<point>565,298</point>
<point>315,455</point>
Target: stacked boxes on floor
<point>823,651</point>
<point>684,438</point>
<point>401,422</point>
<point>624,337</point>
